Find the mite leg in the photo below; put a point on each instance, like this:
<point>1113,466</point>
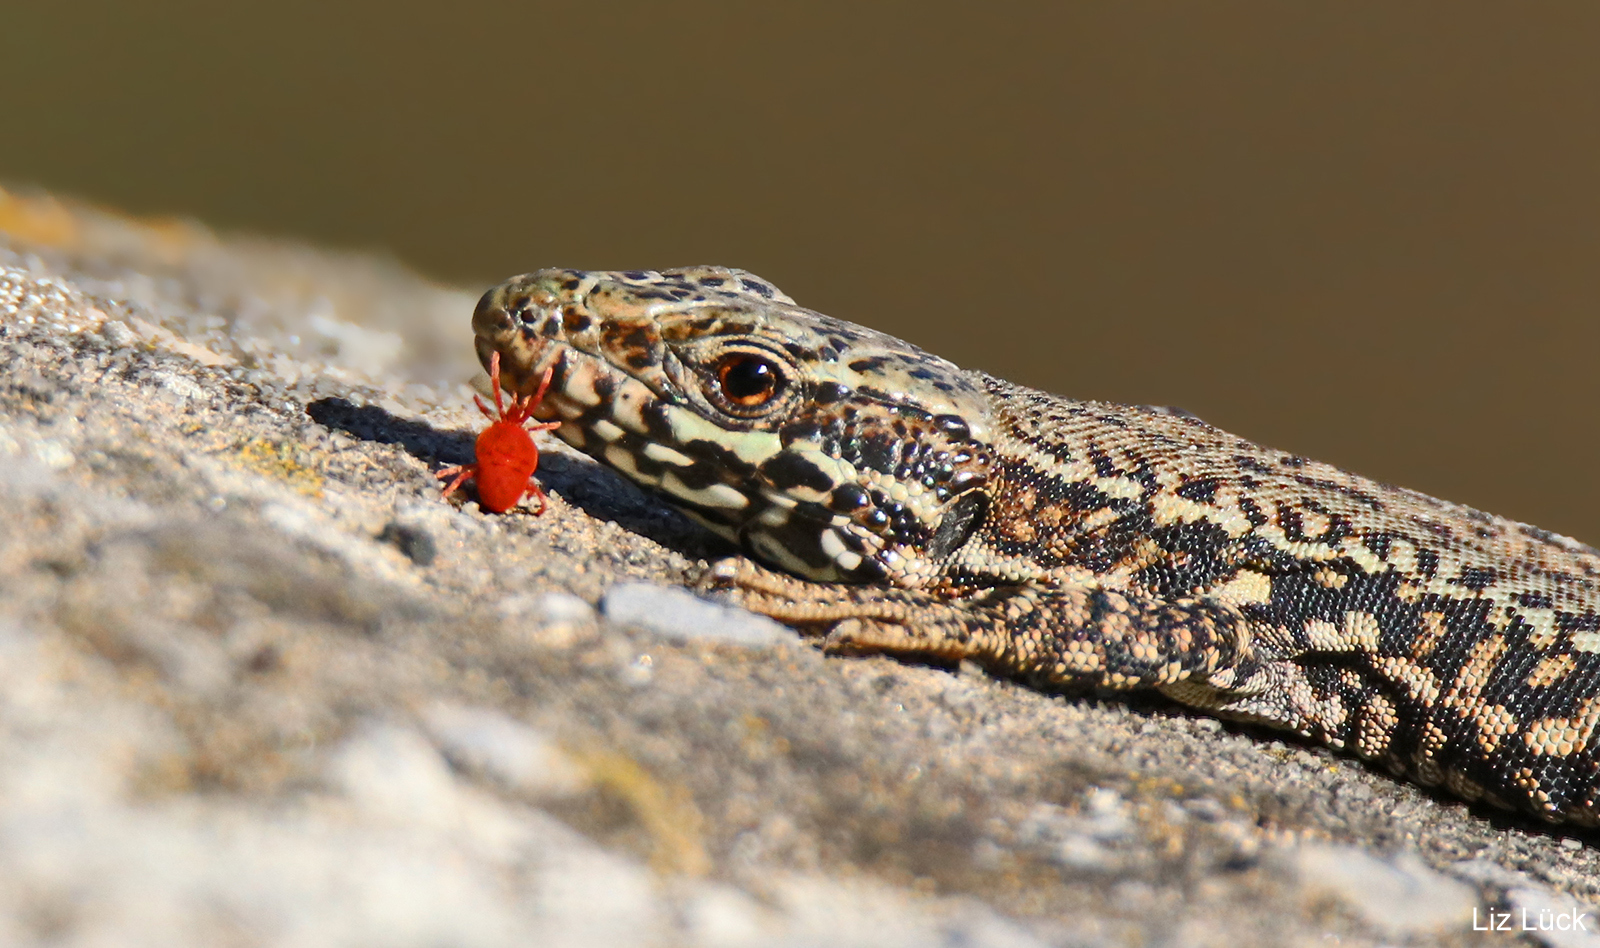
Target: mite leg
<point>461,472</point>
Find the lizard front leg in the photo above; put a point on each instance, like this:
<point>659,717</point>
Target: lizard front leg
<point>1075,633</point>
<point>1072,633</point>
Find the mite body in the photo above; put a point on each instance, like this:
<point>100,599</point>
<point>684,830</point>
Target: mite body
<point>506,456</point>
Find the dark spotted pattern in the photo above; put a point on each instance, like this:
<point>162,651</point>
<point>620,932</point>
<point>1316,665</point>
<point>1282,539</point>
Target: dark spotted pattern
<point>911,507</point>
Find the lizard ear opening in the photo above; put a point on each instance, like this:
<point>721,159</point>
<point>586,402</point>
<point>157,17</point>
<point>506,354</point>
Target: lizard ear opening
<point>963,517</point>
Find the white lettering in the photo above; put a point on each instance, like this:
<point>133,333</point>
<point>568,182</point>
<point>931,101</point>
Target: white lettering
<point>1545,921</point>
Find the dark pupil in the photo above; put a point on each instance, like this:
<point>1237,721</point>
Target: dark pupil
<point>748,379</point>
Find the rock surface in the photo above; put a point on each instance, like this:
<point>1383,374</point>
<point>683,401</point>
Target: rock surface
<point>259,685</point>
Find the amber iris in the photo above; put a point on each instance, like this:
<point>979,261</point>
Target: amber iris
<point>747,380</point>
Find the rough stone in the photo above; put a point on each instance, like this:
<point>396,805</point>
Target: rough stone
<point>676,614</point>
<point>239,704</point>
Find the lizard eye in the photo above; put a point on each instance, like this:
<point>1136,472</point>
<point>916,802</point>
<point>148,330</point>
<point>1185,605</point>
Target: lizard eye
<point>748,381</point>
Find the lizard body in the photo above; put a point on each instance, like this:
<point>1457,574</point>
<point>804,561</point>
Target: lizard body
<point>901,504</point>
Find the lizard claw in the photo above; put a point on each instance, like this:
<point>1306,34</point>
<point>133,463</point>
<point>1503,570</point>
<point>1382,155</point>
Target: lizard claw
<point>717,578</point>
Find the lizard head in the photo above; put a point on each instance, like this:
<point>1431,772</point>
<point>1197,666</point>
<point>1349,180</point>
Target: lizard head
<point>825,449</point>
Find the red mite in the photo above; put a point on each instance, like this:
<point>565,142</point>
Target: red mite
<point>505,452</point>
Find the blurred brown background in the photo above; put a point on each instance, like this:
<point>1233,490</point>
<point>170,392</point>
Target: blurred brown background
<point>1361,232</point>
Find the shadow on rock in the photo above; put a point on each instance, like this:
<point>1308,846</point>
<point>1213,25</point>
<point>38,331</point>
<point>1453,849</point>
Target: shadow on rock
<point>596,490</point>
<point>371,423</point>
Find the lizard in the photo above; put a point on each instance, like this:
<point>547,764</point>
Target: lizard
<point>887,501</point>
